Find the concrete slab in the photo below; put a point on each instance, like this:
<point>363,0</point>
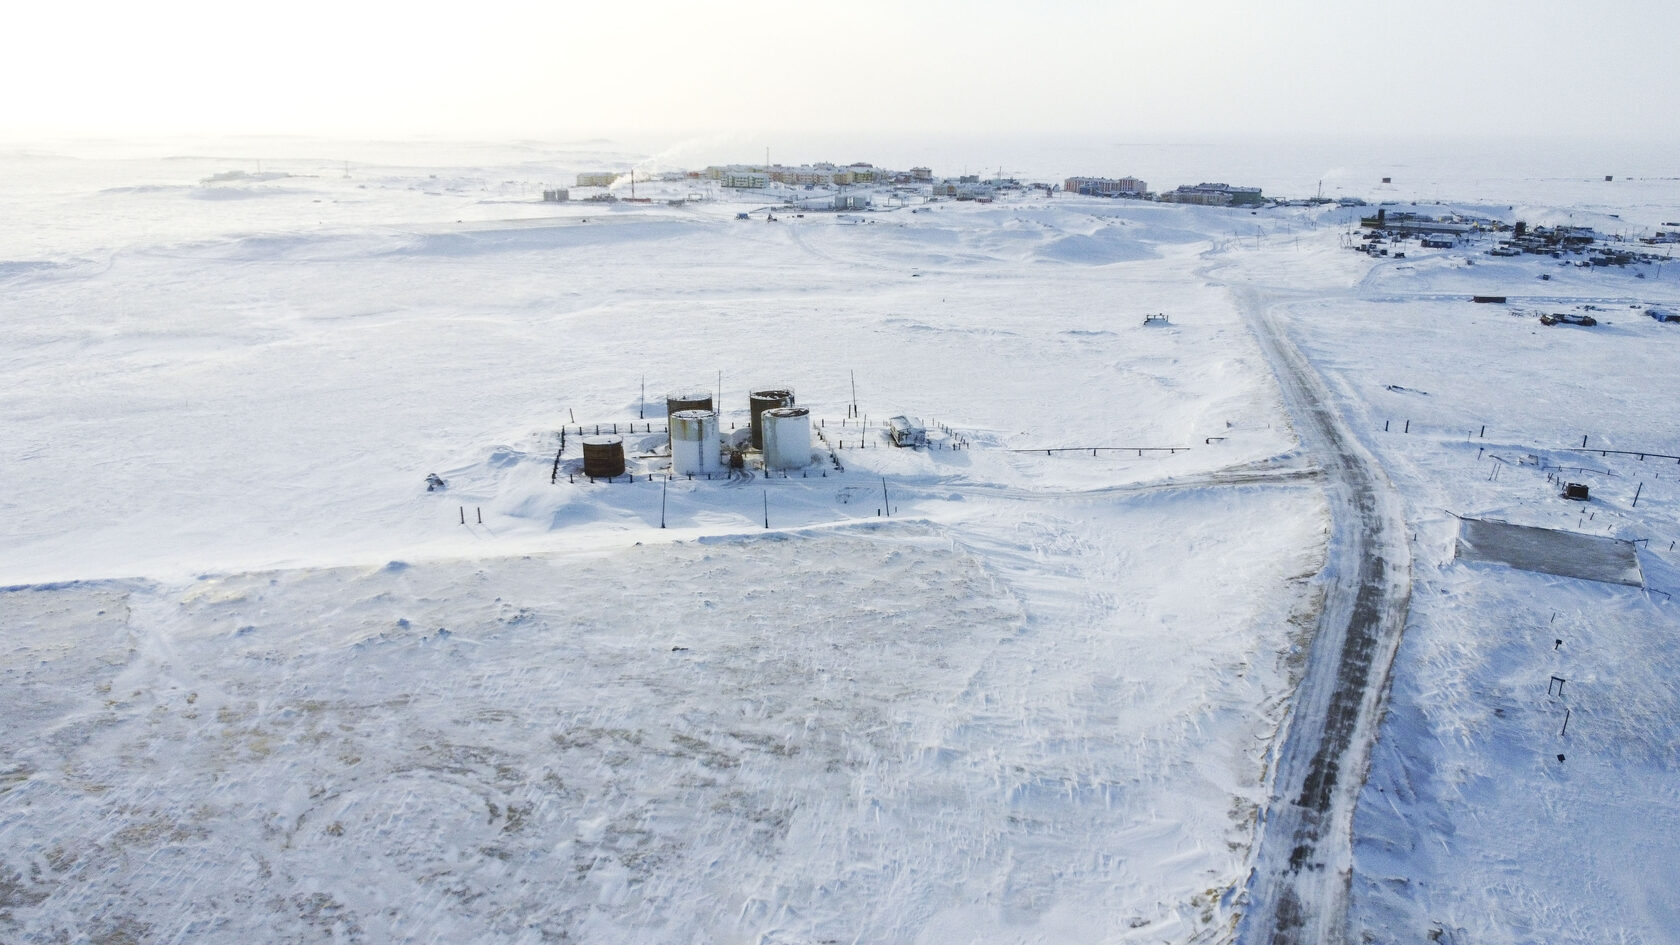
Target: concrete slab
<point>1548,551</point>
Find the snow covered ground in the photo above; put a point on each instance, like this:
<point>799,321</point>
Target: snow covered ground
<point>1029,684</point>
<point>266,685</point>
<point>1471,828</point>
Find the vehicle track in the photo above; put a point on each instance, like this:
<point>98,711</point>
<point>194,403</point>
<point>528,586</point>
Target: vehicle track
<point>1265,472</point>
<point>1302,862</point>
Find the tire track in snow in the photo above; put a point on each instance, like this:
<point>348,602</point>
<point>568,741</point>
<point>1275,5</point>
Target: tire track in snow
<point>796,236</point>
<point>1265,472</point>
<point>1298,890</point>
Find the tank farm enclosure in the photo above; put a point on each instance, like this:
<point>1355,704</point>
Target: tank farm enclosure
<point>775,437</point>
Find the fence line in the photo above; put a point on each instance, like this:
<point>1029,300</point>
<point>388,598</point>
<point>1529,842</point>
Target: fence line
<point>1140,450</point>
<point>1406,428</point>
<point>596,429</point>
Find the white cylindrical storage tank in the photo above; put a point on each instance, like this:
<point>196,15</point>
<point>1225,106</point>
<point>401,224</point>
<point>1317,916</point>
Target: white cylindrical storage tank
<point>694,442</point>
<point>787,438</point>
<point>761,400</point>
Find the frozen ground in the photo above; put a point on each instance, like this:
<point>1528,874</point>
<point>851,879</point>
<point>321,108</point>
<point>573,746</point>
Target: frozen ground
<point>1023,685</point>
<point>1040,703</point>
<point>1471,828</point>
<point>859,734</point>
<point>271,397</point>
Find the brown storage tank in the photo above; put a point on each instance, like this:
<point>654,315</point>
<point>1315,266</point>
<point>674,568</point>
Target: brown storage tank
<point>692,399</point>
<point>603,456</point>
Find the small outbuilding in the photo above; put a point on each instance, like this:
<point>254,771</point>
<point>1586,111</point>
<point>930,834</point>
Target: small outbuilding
<point>906,431</point>
<point>1568,318</point>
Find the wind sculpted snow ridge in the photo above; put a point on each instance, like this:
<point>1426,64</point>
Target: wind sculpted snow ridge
<point>1298,891</point>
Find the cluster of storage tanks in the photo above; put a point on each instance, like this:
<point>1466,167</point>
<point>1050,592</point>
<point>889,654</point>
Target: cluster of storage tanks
<point>780,431</point>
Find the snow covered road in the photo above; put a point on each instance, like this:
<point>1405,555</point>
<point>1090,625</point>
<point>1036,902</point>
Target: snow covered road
<point>1298,892</point>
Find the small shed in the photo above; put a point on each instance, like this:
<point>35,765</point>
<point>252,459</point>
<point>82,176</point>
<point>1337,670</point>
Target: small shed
<point>906,431</point>
<point>1567,318</point>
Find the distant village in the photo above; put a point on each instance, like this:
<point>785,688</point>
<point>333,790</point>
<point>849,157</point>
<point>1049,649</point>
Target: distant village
<point>1394,234</point>
<point>859,186</point>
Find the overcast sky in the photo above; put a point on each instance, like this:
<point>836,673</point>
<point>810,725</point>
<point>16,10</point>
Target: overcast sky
<point>562,70</point>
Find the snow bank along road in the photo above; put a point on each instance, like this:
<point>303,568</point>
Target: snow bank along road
<point>1303,861</point>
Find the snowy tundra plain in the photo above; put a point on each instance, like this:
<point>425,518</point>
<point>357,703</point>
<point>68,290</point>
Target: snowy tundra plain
<point>260,684</point>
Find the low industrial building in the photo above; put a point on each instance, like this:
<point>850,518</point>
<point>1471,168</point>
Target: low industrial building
<point>1214,195</point>
<point>1415,224</point>
<point>963,191</point>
